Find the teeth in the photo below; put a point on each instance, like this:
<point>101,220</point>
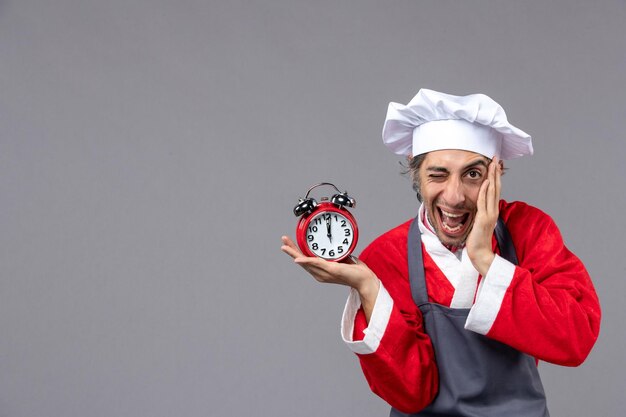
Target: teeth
<point>450,214</point>
<point>452,229</point>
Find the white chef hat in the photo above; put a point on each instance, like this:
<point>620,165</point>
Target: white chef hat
<point>434,121</point>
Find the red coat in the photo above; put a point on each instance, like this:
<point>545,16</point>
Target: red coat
<point>546,307</point>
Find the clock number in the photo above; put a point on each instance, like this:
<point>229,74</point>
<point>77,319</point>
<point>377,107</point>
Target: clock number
<point>313,229</point>
<point>343,223</point>
<point>323,251</point>
<point>318,220</point>
<point>345,242</point>
<point>347,231</point>
<point>340,249</point>
<point>315,246</point>
<point>310,238</point>
<point>327,216</point>
<point>331,253</point>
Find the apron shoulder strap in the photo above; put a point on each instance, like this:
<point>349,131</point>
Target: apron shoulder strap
<point>417,277</point>
<point>505,243</point>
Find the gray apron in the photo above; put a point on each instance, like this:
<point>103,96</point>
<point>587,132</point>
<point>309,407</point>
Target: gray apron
<point>478,377</point>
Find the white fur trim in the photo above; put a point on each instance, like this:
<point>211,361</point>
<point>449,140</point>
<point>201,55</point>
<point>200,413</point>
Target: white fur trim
<point>376,326</point>
<point>465,289</point>
<point>490,294</point>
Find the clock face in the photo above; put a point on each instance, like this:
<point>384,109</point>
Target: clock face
<point>329,235</point>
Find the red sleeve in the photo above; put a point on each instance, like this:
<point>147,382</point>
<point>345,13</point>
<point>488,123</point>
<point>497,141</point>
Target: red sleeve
<point>550,309</point>
<point>402,370</point>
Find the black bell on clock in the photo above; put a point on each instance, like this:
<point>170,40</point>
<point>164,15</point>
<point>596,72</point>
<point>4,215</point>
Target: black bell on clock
<point>304,206</point>
<point>342,199</point>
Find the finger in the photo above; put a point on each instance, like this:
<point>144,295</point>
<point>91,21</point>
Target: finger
<point>492,187</point>
<point>290,248</point>
<point>498,185</point>
<point>324,266</point>
<point>313,265</point>
<point>317,273</point>
<point>319,270</point>
<point>294,253</point>
<point>481,202</point>
<point>314,262</point>
<point>330,267</point>
<point>287,241</point>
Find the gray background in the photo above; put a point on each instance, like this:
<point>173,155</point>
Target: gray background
<point>151,153</point>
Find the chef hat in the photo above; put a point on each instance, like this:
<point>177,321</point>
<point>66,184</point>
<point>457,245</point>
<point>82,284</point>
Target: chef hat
<point>434,121</point>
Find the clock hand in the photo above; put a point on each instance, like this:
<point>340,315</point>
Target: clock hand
<point>328,232</point>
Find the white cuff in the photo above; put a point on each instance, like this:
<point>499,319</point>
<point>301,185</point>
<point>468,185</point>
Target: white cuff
<point>489,297</point>
<point>377,324</point>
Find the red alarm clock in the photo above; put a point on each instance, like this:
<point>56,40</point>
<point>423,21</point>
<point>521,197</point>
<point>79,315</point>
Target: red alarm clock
<point>326,229</point>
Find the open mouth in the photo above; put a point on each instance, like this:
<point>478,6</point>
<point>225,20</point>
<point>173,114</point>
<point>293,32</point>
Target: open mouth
<point>453,223</point>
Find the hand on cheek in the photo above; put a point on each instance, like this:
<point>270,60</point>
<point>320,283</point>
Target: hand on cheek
<point>479,240</point>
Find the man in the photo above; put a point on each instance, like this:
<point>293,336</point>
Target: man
<point>450,312</point>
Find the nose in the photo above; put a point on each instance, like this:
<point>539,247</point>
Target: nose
<point>453,193</point>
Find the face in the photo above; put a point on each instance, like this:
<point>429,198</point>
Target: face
<point>449,182</point>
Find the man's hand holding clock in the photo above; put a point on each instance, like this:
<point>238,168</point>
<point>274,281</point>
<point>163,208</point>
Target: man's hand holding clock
<point>355,274</point>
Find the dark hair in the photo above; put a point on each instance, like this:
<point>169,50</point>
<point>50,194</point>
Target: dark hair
<point>413,171</point>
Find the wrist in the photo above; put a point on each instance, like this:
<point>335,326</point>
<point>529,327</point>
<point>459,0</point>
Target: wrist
<point>482,261</point>
<point>368,289</point>
<point>368,293</point>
